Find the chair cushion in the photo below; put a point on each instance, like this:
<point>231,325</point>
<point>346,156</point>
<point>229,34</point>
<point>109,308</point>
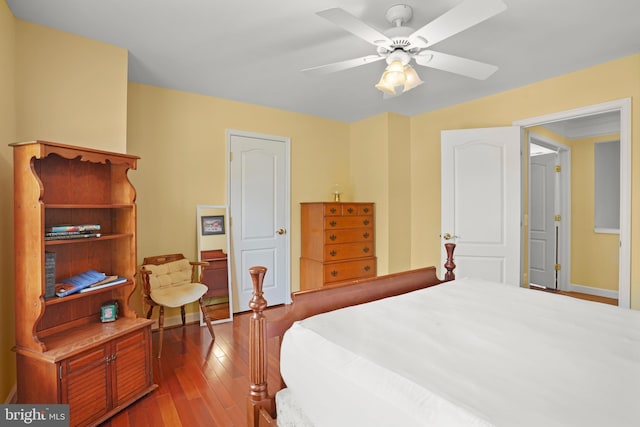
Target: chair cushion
<point>172,273</point>
<point>179,295</point>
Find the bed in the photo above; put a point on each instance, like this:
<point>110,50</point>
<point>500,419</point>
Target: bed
<point>398,350</point>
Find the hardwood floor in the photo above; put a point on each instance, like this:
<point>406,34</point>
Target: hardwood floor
<point>604,300</point>
<point>201,383</point>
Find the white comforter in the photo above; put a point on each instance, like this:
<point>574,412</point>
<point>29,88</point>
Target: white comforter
<point>467,353</point>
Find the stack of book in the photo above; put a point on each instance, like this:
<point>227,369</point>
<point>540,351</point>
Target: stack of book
<point>87,281</point>
<point>73,231</point>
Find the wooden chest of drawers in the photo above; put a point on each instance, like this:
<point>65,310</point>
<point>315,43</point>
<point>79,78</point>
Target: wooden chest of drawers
<point>215,275</point>
<point>338,243</point>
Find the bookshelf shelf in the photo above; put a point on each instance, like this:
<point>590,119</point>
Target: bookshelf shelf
<point>70,298</point>
<point>61,345</point>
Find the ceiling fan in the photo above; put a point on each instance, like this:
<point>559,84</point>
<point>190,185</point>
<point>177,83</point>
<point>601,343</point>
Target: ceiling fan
<point>400,44</point>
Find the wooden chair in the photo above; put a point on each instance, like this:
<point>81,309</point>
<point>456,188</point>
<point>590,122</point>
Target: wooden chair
<point>173,281</point>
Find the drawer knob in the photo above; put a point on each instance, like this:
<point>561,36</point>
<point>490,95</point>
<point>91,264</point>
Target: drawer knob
<point>333,237</point>
<point>333,223</point>
<point>332,210</point>
<point>365,222</point>
<point>365,249</point>
<point>334,273</point>
<point>365,235</point>
<point>366,210</point>
<point>350,210</point>
<point>367,268</point>
<point>333,253</point>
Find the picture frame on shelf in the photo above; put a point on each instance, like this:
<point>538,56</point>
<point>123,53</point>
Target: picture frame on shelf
<point>213,224</point>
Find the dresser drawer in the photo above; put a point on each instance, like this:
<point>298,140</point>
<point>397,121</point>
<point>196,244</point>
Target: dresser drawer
<point>348,251</point>
<point>332,209</point>
<point>332,223</point>
<point>350,209</point>
<point>349,270</point>
<point>348,235</point>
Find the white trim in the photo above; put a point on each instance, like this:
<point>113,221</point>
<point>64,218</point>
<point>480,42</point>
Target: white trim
<point>607,293</point>
<point>606,230</point>
<point>624,107</point>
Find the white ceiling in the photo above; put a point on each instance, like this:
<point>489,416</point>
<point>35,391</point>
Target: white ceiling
<point>253,50</point>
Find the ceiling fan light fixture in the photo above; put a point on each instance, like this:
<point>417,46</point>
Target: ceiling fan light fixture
<point>412,79</point>
<point>385,86</point>
<point>397,74</point>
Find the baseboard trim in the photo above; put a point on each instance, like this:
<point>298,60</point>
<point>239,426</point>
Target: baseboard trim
<point>607,293</point>
<point>12,397</point>
<point>171,321</point>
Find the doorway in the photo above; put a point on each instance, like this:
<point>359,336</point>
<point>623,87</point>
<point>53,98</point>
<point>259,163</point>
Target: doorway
<point>621,109</point>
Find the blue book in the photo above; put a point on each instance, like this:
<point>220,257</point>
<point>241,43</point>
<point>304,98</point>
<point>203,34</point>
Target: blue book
<point>78,282</point>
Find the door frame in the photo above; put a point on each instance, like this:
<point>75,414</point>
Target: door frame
<point>564,206</point>
<point>287,202</point>
<point>623,106</point>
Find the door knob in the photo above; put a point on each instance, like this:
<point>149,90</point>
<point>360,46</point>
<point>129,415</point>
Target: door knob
<point>281,231</point>
<point>448,236</point>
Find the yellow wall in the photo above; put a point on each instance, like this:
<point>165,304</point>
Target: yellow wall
<point>609,81</point>
<point>70,89</point>
<point>595,255</point>
<point>58,87</point>
<point>181,139</point>
<point>381,172</point>
<point>7,134</point>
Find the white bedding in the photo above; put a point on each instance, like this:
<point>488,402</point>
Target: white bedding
<point>467,353</point>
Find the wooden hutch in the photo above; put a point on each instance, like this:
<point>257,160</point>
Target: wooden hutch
<point>65,354</point>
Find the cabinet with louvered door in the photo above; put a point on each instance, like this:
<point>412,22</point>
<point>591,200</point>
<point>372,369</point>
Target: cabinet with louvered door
<point>337,243</point>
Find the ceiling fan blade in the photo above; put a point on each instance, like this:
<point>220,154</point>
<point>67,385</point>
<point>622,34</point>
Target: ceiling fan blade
<point>355,26</point>
<point>455,64</point>
<point>342,65</point>
<point>461,17</point>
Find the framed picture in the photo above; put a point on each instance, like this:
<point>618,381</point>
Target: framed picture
<point>212,225</point>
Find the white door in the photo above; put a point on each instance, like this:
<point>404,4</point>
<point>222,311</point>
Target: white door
<point>481,202</point>
<point>259,211</point>
<point>542,224</point>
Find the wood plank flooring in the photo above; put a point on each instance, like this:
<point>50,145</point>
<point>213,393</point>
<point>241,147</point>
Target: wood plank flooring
<point>204,383</point>
<point>201,383</point>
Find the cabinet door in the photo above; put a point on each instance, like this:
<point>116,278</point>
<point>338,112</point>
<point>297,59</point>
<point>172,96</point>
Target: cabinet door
<point>131,366</point>
<point>84,385</point>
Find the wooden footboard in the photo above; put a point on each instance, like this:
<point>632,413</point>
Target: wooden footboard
<point>261,407</point>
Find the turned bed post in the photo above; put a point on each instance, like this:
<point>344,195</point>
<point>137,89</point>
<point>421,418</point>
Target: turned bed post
<point>449,265</point>
<point>258,397</point>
